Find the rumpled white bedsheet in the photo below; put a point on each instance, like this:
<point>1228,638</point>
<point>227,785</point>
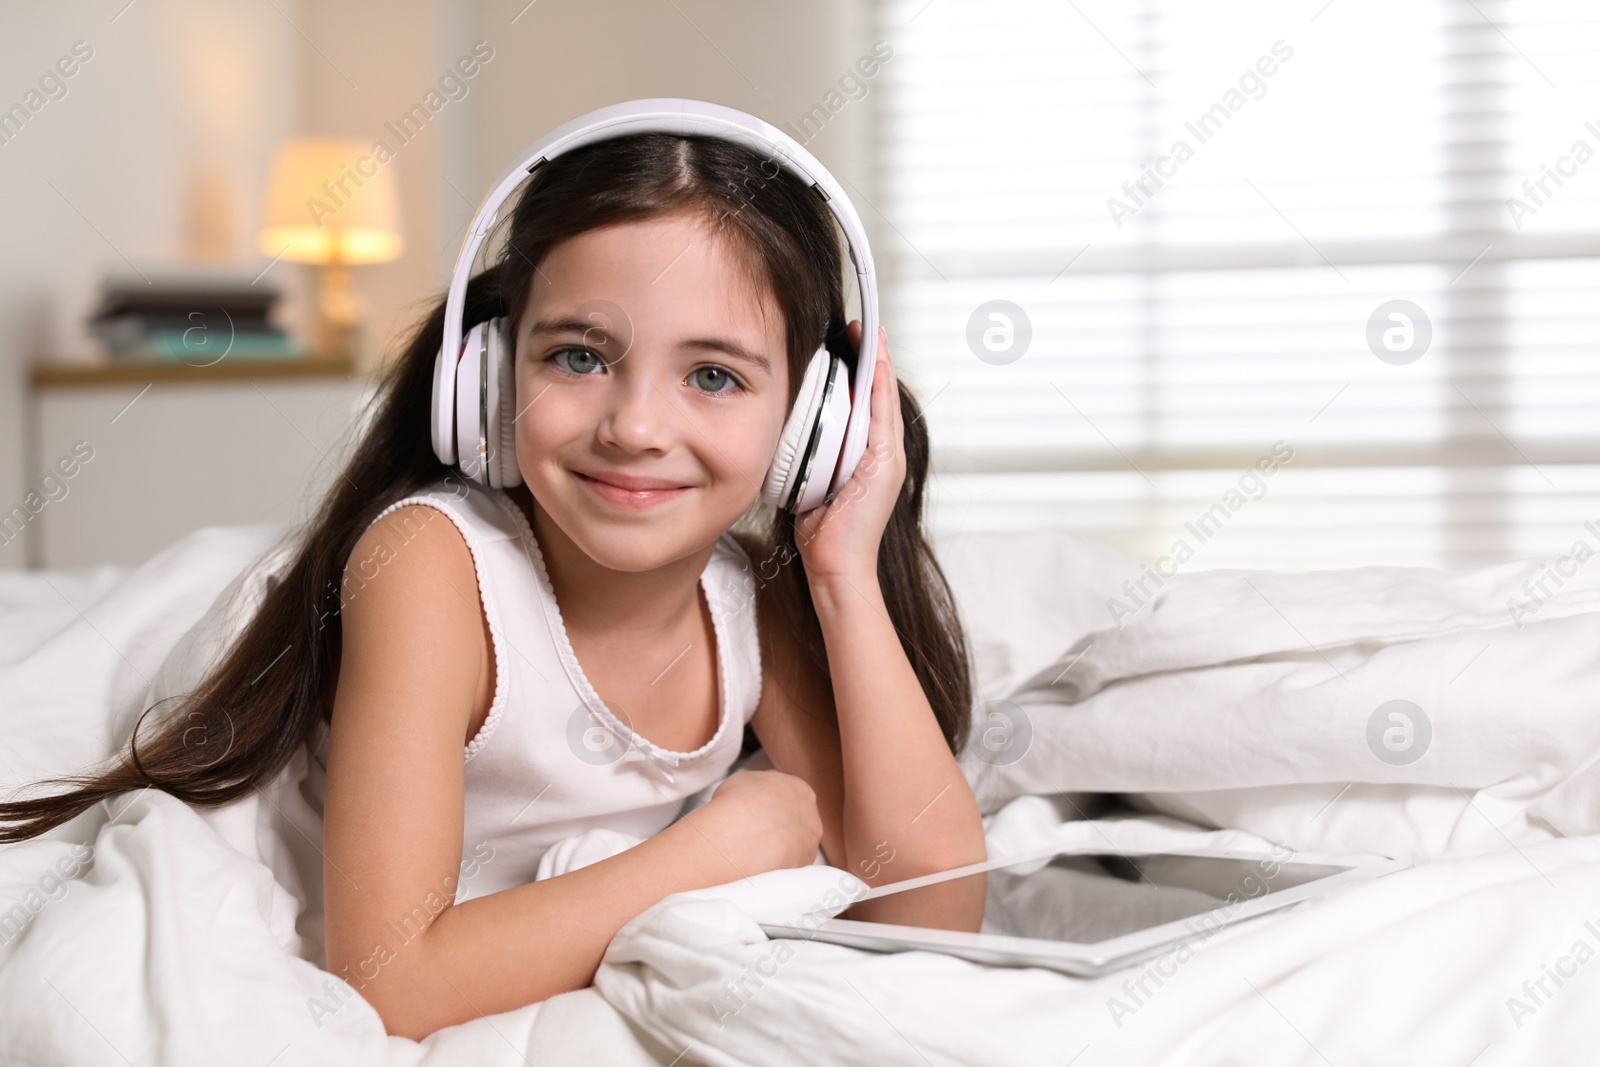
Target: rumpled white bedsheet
<point>1242,699</point>
<point>194,937</point>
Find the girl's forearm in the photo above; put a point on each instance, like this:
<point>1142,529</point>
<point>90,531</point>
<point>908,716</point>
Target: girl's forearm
<point>523,945</point>
<point>903,790</point>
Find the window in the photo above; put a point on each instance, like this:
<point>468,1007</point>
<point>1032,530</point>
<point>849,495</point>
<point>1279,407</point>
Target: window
<point>1356,243</point>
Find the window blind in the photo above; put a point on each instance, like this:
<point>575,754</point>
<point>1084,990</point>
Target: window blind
<point>1363,238</point>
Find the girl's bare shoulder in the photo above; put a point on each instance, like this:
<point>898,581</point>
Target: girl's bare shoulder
<point>416,647</point>
<point>411,577</point>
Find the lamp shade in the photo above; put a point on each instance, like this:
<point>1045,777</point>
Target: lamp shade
<point>331,201</point>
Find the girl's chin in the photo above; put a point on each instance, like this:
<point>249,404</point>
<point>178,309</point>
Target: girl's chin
<point>641,546</point>
<point>635,554</point>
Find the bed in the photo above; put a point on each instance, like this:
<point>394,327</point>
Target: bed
<point>1230,710</point>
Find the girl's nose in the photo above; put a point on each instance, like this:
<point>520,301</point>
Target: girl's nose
<point>639,416</point>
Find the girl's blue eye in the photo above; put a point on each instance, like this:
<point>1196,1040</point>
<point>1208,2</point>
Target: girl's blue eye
<point>713,379</point>
<point>583,361</point>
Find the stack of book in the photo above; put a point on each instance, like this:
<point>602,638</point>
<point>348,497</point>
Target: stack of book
<point>198,317</point>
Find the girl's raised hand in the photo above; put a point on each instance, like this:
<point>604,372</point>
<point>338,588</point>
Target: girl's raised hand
<point>841,538</point>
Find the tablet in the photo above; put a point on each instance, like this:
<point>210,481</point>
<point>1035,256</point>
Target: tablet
<point>1087,913</point>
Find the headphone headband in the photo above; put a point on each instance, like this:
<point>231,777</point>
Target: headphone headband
<point>689,118</point>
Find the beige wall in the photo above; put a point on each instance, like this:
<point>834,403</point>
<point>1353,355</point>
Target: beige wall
<point>156,154</point>
<point>161,147</point>
<point>773,60</point>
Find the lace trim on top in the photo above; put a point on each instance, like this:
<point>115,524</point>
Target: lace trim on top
<point>497,705</point>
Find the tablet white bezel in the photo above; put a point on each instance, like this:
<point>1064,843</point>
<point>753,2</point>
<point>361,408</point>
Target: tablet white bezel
<point>1071,957</point>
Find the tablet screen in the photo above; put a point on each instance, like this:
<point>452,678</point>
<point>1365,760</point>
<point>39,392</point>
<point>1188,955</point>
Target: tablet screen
<point>1088,898</point>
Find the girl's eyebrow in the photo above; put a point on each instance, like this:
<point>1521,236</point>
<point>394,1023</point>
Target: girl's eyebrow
<point>543,326</point>
<point>727,346</point>
<point>731,348</point>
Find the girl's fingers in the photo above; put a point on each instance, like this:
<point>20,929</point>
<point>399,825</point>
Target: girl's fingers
<point>892,390</point>
<point>883,413</point>
<point>886,420</point>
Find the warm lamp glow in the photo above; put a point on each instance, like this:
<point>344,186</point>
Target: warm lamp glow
<point>328,202</point>
<point>332,203</point>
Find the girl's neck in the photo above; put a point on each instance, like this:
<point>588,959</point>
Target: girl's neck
<point>596,599</point>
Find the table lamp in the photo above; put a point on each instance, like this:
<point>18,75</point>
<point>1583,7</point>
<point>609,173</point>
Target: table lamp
<point>332,203</point>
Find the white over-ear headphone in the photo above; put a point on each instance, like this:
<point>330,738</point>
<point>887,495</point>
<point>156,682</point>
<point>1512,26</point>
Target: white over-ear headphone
<point>474,387</point>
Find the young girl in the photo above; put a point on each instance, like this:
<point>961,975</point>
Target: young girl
<point>599,638</point>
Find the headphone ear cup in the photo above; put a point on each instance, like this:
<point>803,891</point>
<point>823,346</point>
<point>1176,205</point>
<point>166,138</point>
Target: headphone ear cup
<point>832,421</point>
<point>444,406</point>
<point>502,431</point>
<point>469,380</point>
<point>783,471</point>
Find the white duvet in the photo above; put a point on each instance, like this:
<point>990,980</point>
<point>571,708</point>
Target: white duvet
<point>1237,709</point>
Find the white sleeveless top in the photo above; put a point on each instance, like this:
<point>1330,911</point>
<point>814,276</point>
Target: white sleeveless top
<point>552,760</point>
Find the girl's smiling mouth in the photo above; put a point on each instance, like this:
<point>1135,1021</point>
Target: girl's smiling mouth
<point>631,491</point>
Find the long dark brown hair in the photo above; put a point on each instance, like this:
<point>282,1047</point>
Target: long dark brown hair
<point>786,237</point>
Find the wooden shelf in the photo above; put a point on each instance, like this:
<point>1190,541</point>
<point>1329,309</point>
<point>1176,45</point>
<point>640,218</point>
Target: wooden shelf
<point>149,372</point>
